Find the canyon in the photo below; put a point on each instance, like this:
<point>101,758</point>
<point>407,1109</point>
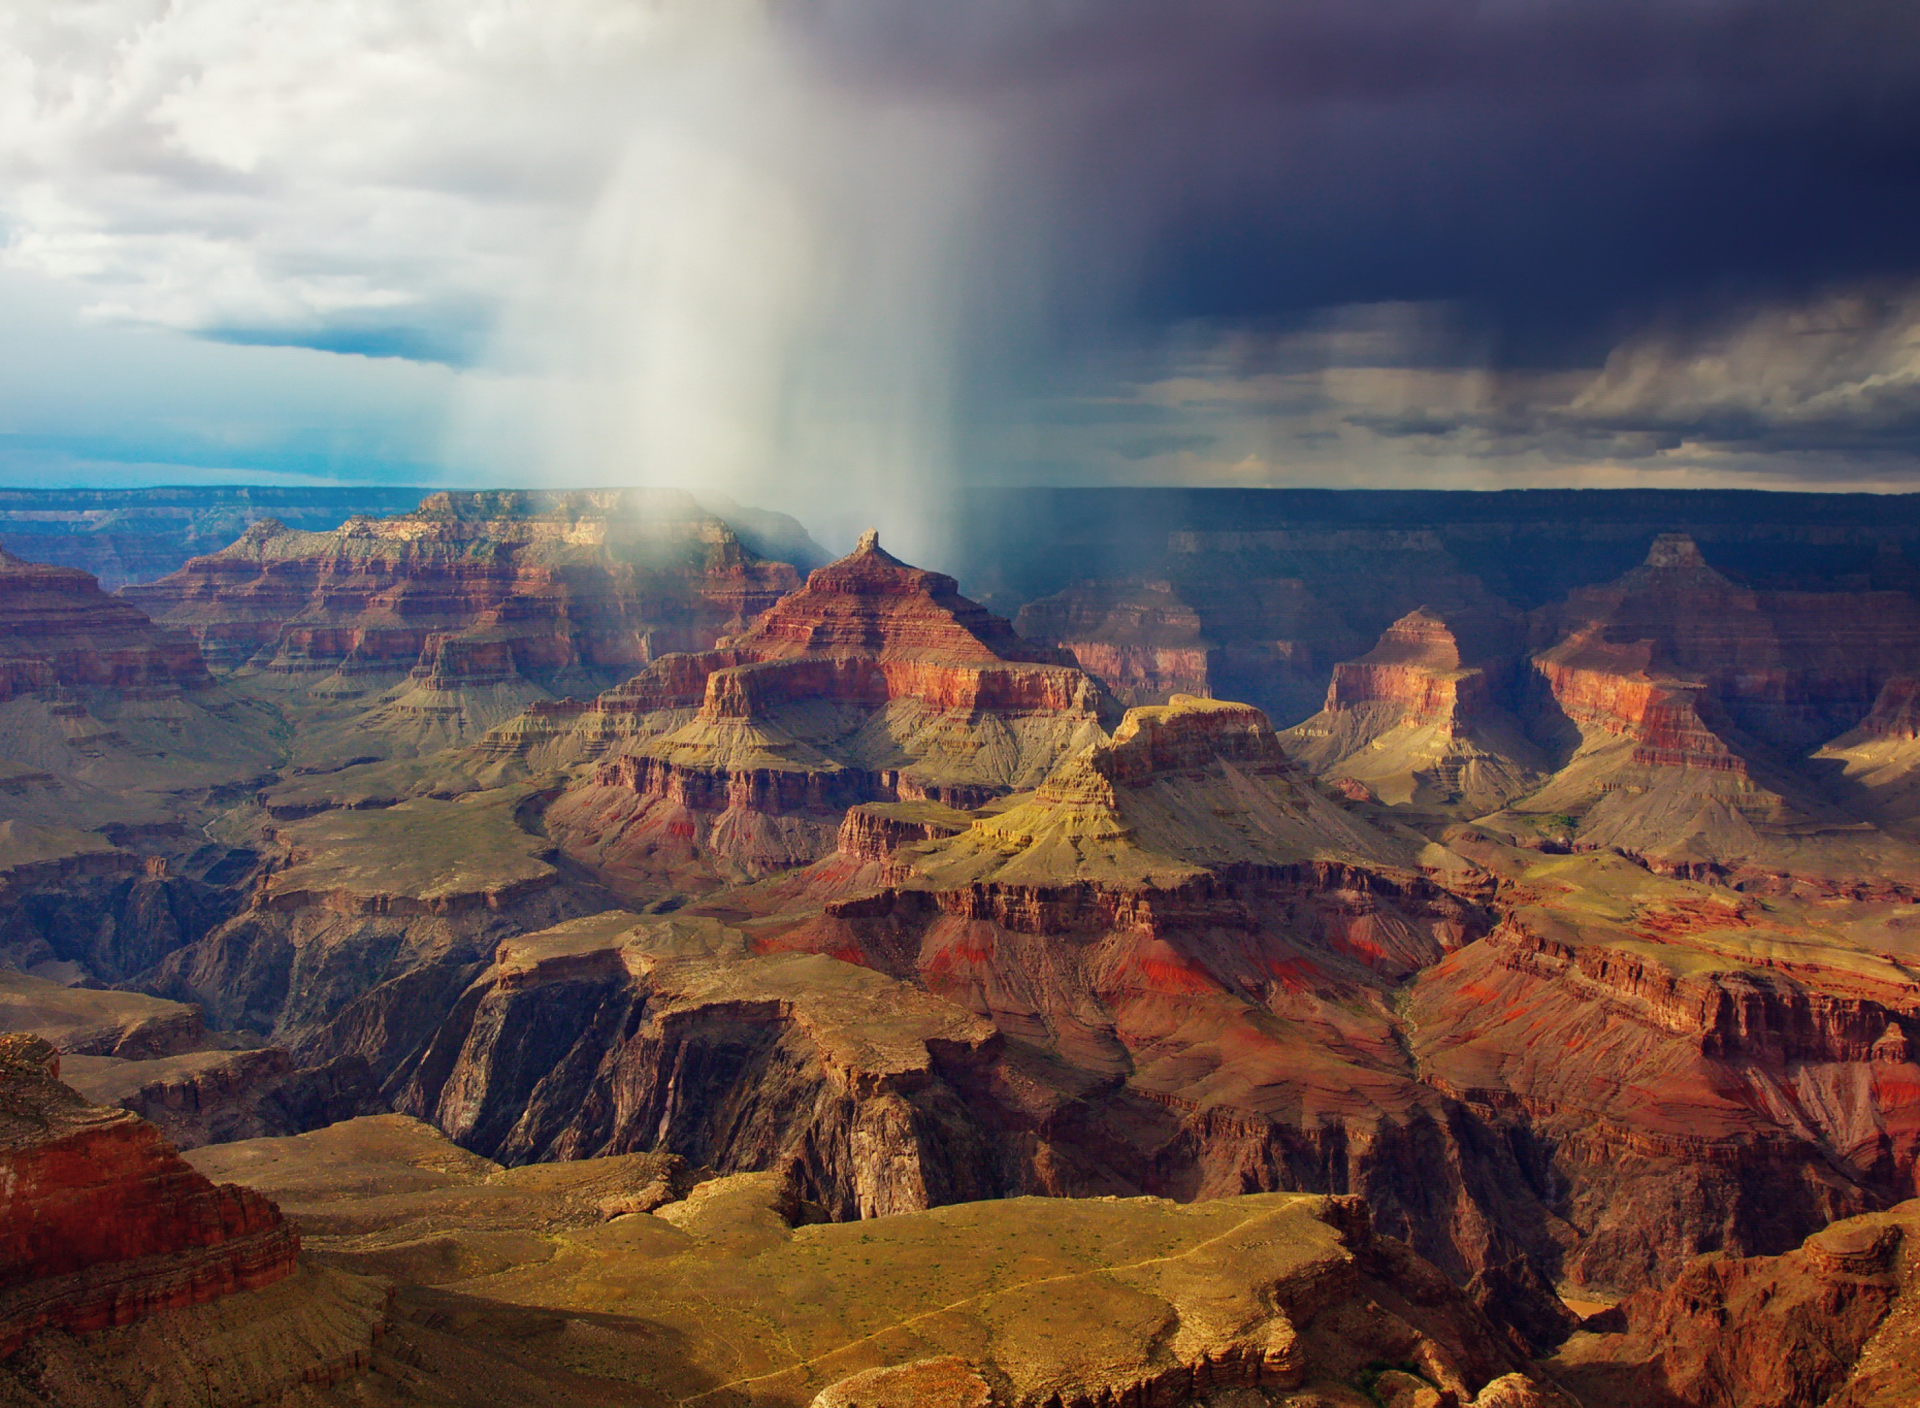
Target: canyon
<point>1525,941</point>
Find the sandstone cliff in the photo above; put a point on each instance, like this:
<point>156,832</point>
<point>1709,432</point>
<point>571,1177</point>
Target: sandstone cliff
<point>103,1222</point>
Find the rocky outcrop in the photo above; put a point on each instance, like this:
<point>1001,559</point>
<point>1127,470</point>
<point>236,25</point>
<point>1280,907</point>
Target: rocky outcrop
<point>1792,669</point>
<point>1702,1042</point>
<point>612,1035</point>
<point>876,682</point>
<point>1139,639</point>
<point>106,718</point>
<point>59,631</point>
<point>1014,1302</point>
<point>104,1223</point>
<point>136,535</point>
<point>1830,1322</point>
<point>471,589</point>
<point>215,1096</point>
<point>1411,722</point>
<point>404,900</point>
<point>74,905</point>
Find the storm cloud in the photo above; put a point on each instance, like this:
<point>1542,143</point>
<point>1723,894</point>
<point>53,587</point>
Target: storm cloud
<point>835,247</point>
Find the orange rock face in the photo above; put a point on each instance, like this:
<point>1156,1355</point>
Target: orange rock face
<point>1416,667</point>
<point>1791,668</point>
<point>1614,688</point>
<point>1830,1322</point>
<point>58,630</point>
<point>475,588</point>
<point>868,636</point>
<point>103,1222</point>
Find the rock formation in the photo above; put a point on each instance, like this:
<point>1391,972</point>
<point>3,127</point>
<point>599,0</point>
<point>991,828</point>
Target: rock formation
<point>615,1035</point>
<point>1412,723</point>
<point>136,535</point>
<point>104,715</point>
<point>876,681</point>
<point>1017,1303</point>
<point>1791,669</point>
<point>403,900</point>
<point>1187,950</point>
<point>444,621</point>
<point>159,1060</point>
<point>1832,1322</point>
<point>59,631</point>
<point>103,1222</point>
<point>1139,639</point>
<point>1685,702</point>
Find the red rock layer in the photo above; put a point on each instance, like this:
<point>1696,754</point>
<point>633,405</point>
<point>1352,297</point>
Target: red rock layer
<point>862,631</point>
<point>1611,687</point>
<point>472,588</point>
<point>58,630</point>
<point>1830,1322</point>
<point>104,1223</point>
<point>1416,667</point>
<point>1791,668</point>
<point>1140,640</point>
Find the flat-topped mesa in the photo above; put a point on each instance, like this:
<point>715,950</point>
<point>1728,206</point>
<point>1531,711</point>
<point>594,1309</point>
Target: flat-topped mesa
<point>1416,668</point>
<point>536,582</point>
<point>1187,733</point>
<point>103,1223</point>
<point>58,630</point>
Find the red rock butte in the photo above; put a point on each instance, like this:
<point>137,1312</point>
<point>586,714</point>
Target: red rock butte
<point>865,630</point>
<point>728,753</point>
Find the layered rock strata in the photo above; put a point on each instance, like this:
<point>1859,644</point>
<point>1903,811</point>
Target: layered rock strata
<point>1411,722</point>
<point>1729,1070</point>
<point>104,716</point>
<point>1791,669</point>
<point>475,587</point>
<point>876,682</point>
<point>1139,639</point>
<point>406,900</point>
<point>1831,1322</point>
<point>157,1059</point>
<point>616,1035</point>
<point>397,637</point>
<point>75,906</point>
<point>104,1223</point>
<point>58,630</point>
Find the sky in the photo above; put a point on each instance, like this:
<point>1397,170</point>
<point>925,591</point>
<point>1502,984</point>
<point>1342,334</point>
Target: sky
<point>842,256</point>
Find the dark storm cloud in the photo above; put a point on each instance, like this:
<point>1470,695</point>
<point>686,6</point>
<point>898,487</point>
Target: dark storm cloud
<point>1565,168</point>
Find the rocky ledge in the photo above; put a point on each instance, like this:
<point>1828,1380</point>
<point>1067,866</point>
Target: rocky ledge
<point>104,1223</point>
